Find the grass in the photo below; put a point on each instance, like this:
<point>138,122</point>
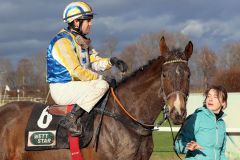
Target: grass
<point>163,147</point>
<point>163,144</point>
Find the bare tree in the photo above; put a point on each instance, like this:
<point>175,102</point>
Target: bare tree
<point>109,46</point>
<point>196,72</point>
<point>5,68</point>
<point>147,48</point>
<point>148,45</point>
<point>233,54</point>
<point>25,74</point>
<point>229,78</point>
<point>206,62</point>
<point>128,55</point>
<point>222,62</point>
<point>40,72</point>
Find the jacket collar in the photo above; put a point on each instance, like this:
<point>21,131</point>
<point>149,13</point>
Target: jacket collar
<point>209,112</point>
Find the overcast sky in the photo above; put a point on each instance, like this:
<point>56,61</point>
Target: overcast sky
<point>27,26</point>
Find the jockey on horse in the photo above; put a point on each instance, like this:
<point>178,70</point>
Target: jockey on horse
<point>73,66</point>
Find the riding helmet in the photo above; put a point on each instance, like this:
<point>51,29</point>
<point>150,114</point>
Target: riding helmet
<point>77,10</point>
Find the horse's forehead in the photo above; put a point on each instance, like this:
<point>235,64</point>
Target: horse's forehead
<point>176,67</point>
<point>176,54</point>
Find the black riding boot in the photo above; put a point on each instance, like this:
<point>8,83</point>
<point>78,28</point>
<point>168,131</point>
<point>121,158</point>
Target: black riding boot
<point>70,121</point>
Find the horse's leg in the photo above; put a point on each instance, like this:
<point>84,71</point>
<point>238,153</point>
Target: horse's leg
<point>115,141</point>
<point>146,148</point>
<point>13,122</point>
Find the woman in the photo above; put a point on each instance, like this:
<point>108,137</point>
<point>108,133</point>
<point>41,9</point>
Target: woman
<point>203,135</point>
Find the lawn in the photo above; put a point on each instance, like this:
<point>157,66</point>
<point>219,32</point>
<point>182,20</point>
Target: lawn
<point>163,144</point>
<point>163,147</point>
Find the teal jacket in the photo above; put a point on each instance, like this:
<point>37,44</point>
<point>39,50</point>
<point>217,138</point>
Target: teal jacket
<point>210,133</point>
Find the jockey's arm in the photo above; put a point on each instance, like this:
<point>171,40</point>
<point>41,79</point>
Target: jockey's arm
<point>64,53</point>
<point>99,63</point>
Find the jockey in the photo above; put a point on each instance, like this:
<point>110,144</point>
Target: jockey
<point>73,66</point>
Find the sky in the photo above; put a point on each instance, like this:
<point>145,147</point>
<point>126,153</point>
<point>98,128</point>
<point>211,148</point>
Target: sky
<point>27,26</point>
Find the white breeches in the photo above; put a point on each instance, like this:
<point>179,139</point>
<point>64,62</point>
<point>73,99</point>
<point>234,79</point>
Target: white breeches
<point>84,93</point>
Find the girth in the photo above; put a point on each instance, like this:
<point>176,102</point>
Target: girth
<point>127,122</point>
<point>61,110</point>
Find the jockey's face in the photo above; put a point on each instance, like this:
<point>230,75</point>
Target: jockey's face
<point>86,25</point>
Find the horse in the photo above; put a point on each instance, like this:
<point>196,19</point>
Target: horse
<point>162,82</point>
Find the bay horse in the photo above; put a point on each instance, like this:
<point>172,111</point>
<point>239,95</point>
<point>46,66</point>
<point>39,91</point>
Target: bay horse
<point>162,82</point>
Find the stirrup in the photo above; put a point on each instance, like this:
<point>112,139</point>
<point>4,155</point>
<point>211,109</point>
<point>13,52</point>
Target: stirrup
<point>74,132</point>
<point>71,126</point>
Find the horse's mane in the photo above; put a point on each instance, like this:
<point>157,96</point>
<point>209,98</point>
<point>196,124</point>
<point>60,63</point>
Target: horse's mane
<point>140,69</point>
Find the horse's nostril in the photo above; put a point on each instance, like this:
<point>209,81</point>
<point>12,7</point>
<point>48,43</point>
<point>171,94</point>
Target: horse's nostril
<point>184,113</point>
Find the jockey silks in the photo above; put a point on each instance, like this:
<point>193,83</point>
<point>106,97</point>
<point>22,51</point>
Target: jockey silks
<point>84,60</point>
<point>67,61</point>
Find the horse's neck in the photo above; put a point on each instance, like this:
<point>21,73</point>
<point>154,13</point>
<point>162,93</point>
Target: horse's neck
<point>141,94</point>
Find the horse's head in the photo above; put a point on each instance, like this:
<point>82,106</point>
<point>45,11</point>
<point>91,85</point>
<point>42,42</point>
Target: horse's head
<point>175,80</point>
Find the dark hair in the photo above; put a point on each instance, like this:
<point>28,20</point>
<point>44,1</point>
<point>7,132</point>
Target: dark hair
<point>221,91</point>
<point>72,26</point>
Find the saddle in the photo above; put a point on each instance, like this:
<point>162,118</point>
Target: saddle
<point>44,132</point>
<point>86,120</point>
<point>58,110</point>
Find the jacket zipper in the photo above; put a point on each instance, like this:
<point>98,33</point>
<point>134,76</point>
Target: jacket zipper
<point>215,155</point>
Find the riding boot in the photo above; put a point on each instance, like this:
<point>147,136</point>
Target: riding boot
<point>70,121</point>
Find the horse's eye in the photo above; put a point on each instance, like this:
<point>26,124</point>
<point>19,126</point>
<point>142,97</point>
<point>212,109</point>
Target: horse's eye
<point>188,75</point>
<point>164,75</point>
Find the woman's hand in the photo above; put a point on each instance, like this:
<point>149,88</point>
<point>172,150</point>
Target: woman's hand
<point>193,146</point>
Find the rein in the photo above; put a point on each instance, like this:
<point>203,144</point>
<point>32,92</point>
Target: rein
<point>128,114</point>
<point>150,126</point>
<point>165,108</point>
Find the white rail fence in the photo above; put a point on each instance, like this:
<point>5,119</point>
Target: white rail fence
<point>6,99</point>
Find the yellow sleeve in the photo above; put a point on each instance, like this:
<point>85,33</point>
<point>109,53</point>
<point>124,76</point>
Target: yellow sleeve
<point>99,63</point>
<point>64,53</point>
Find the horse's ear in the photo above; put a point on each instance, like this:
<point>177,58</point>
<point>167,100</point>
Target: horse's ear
<point>163,47</point>
<point>188,49</point>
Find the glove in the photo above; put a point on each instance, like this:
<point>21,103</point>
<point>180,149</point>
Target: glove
<point>120,64</point>
<point>111,81</point>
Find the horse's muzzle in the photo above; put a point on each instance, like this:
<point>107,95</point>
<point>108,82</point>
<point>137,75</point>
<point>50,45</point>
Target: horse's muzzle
<point>176,117</point>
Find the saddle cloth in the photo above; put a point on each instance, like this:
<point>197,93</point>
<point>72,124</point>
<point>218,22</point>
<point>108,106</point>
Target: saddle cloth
<point>43,131</point>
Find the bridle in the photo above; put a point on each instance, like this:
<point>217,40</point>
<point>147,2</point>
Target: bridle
<point>165,108</point>
<point>165,97</point>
